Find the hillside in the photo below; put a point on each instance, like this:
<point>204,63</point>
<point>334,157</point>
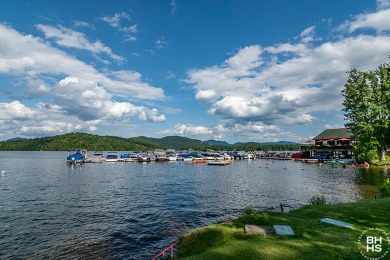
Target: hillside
<point>141,143</point>
<point>95,142</point>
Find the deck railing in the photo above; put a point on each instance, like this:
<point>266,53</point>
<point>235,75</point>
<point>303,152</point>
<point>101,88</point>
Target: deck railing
<point>170,249</point>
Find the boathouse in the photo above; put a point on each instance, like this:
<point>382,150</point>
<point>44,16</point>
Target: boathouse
<point>333,143</point>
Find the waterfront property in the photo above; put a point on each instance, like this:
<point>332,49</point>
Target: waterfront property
<point>331,143</point>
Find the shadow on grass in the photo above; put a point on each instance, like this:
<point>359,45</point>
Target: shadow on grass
<point>313,240</point>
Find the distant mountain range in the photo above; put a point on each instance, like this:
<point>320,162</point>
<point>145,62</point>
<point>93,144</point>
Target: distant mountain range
<point>223,143</point>
<point>141,143</point>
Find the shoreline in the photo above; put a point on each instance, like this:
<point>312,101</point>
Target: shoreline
<point>229,240</point>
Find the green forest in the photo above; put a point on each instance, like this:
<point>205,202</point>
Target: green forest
<point>93,142</point>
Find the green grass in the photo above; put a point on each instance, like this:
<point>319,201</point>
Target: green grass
<point>386,162</point>
<point>313,240</point>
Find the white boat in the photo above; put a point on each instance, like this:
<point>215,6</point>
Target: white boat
<point>112,157</point>
<point>219,162</point>
<point>248,156</point>
<point>98,157</point>
<point>171,155</point>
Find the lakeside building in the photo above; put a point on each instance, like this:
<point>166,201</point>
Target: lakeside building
<point>333,143</point>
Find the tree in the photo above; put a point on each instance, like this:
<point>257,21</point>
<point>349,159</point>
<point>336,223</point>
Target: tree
<point>367,107</point>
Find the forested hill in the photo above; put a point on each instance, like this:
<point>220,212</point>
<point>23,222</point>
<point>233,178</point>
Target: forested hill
<point>113,143</point>
<point>95,142</point>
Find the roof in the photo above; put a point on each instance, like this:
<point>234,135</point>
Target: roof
<point>334,133</point>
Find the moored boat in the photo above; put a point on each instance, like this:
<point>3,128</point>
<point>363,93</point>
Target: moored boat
<point>76,156</point>
<point>219,162</point>
<point>143,157</point>
<point>126,157</point>
<point>98,157</point>
<point>112,157</point>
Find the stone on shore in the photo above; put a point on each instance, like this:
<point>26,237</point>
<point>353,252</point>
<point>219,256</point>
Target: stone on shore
<point>259,230</point>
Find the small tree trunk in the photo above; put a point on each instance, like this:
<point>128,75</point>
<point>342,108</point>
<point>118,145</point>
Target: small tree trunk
<point>382,153</point>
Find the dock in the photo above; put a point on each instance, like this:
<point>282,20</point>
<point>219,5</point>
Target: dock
<point>217,162</point>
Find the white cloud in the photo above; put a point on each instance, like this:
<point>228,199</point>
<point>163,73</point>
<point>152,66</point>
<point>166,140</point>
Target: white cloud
<point>294,86</point>
<point>15,111</point>
<point>160,43</point>
<point>173,6</point>
<point>191,130</point>
<point>233,77</point>
<point>72,39</point>
<point>64,82</point>
<point>208,95</point>
<point>80,96</point>
<point>114,21</point>
<point>383,4</point>
<point>379,21</point>
<point>26,54</point>
<point>79,23</point>
<point>151,116</point>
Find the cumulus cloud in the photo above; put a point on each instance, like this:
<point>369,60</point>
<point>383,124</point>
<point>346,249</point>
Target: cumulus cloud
<point>190,130</point>
<point>379,21</point>
<point>263,85</point>
<point>28,55</point>
<point>15,111</point>
<point>81,98</point>
<point>234,76</point>
<point>72,39</point>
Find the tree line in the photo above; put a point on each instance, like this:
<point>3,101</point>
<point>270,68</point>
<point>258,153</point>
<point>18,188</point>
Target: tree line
<point>106,143</point>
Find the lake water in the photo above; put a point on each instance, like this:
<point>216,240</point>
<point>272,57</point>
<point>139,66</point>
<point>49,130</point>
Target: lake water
<point>133,210</point>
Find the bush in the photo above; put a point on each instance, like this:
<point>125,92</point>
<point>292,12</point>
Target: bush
<point>384,189</point>
<point>317,200</point>
<point>249,210</point>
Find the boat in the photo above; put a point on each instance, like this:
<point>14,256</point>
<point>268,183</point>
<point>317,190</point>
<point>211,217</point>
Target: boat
<point>98,157</point>
<point>112,157</point>
<point>160,155</point>
<point>184,157</point>
<point>219,162</point>
<point>76,156</point>
<point>171,155</point>
<point>197,158</point>
<point>125,157</point>
<point>143,157</point>
<point>247,156</point>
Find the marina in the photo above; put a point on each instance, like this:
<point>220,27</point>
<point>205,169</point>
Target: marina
<point>119,210</point>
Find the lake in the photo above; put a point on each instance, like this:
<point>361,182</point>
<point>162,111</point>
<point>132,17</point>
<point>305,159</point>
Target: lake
<point>49,209</point>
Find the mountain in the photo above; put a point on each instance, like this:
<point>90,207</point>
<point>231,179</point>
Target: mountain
<point>16,139</point>
<point>277,143</point>
<point>93,142</point>
<point>216,143</point>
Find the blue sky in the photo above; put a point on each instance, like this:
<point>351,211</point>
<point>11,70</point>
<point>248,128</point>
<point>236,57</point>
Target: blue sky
<point>226,70</point>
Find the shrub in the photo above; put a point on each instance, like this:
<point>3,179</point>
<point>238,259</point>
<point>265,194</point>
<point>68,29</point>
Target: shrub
<point>249,210</point>
<point>384,189</point>
<point>317,200</point>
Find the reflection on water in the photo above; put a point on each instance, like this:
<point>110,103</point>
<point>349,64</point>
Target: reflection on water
<point>133,210</point>
<point>368,180</point>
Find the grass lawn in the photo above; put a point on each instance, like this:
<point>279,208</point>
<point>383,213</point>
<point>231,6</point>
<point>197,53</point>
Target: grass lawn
<point>313,240</point>
<point>386,162</point>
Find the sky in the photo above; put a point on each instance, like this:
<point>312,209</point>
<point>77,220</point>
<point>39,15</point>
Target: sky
<point>237,71</point>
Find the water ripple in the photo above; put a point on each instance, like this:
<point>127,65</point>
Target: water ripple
<point>131,211</point>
